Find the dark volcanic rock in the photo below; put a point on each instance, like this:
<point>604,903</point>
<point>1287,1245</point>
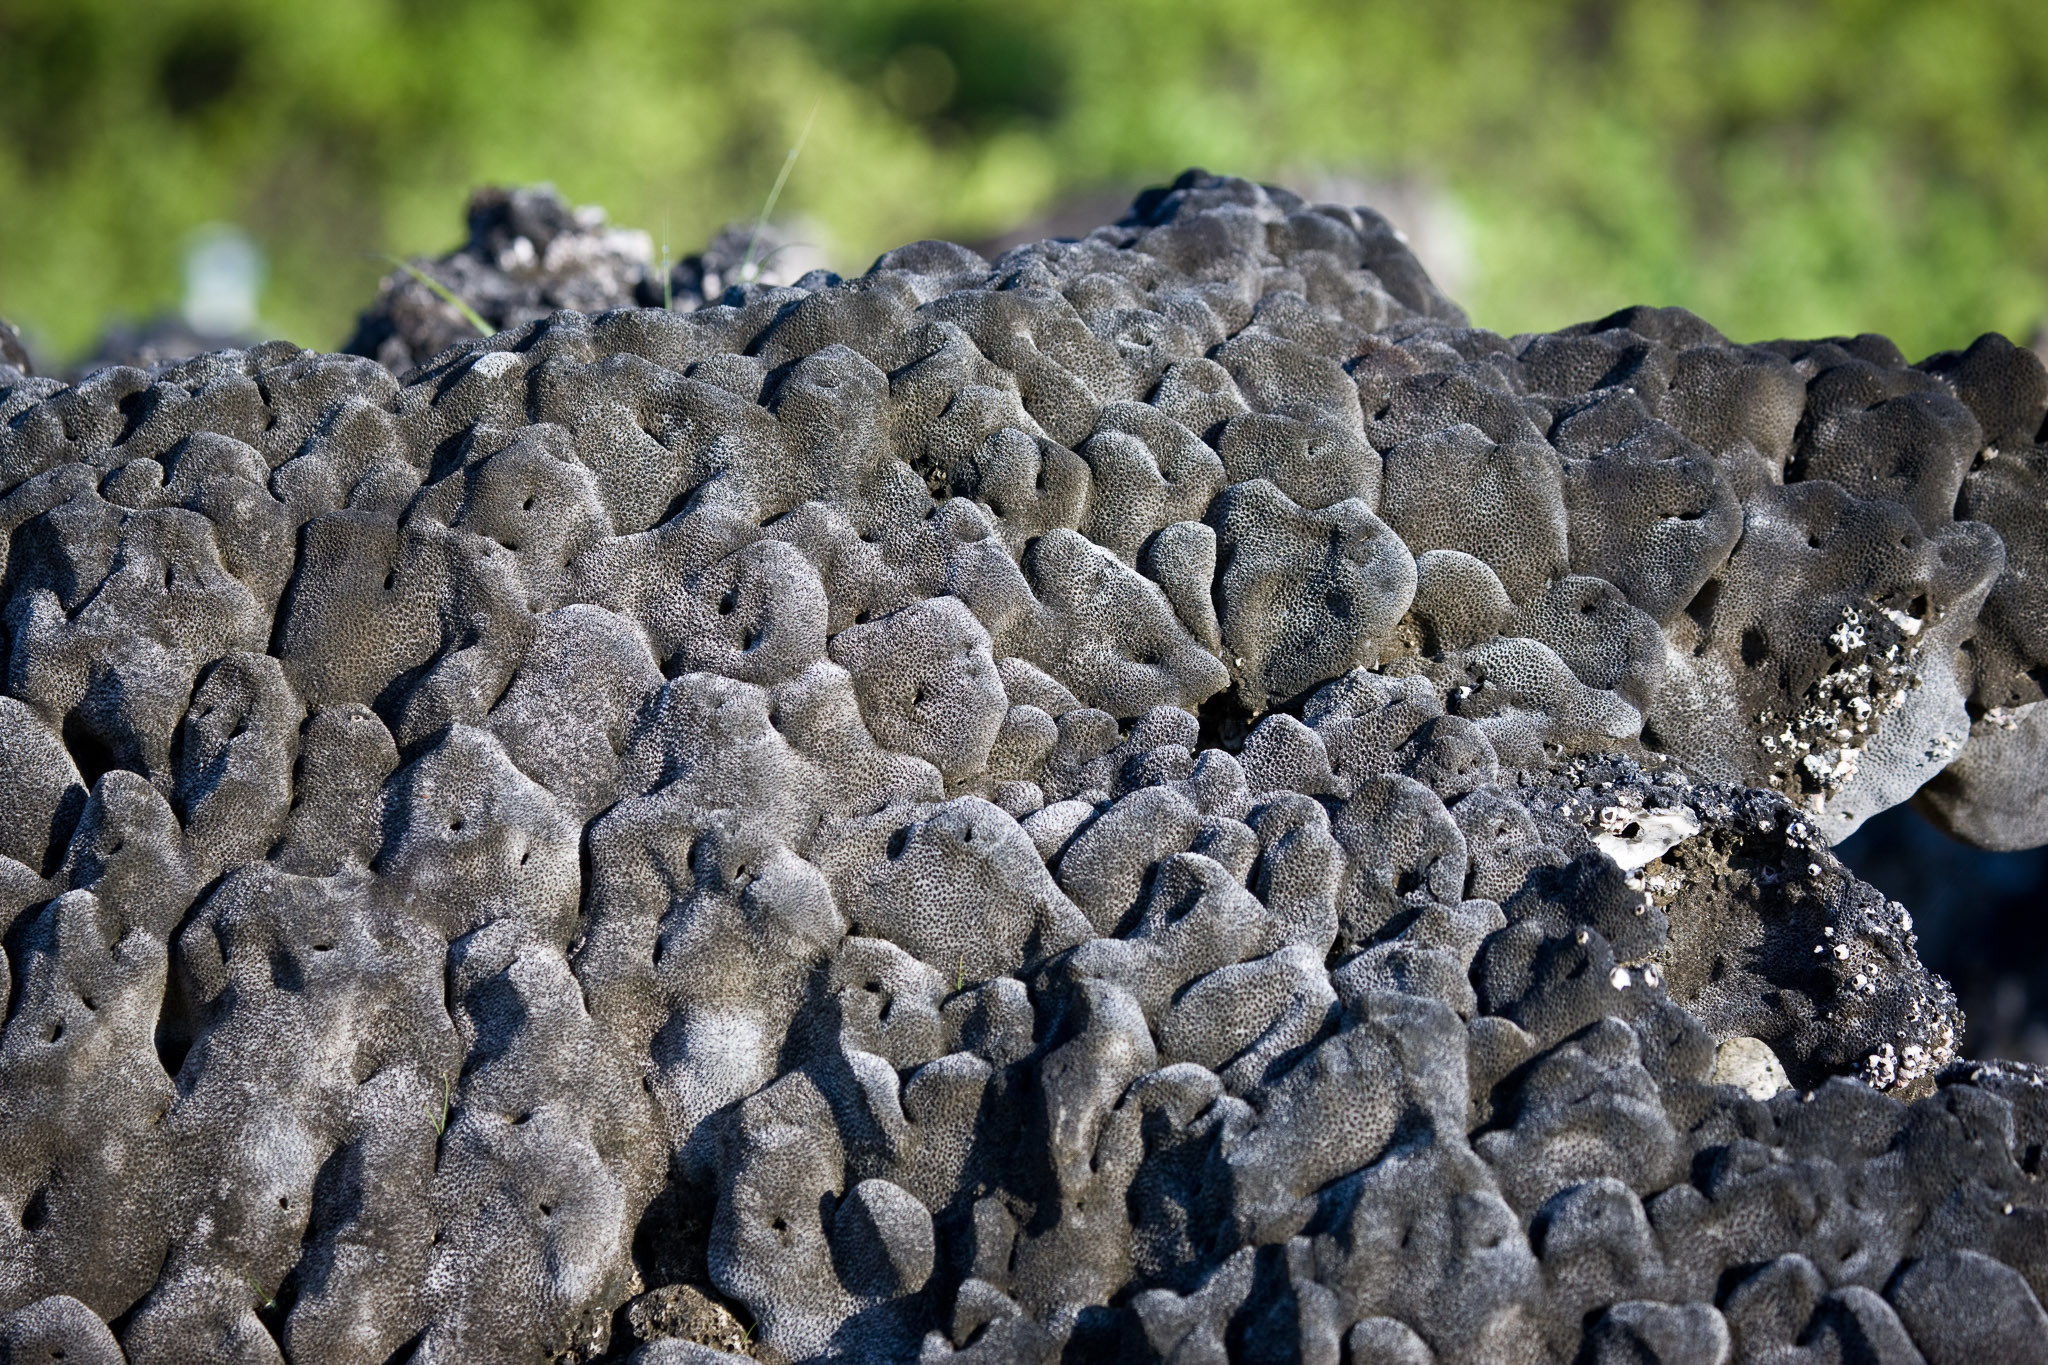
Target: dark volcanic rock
<point>1158,797</point>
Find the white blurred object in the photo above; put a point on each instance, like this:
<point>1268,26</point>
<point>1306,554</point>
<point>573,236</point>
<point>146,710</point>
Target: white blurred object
<point>223,276</point>
<point>1421,210</point>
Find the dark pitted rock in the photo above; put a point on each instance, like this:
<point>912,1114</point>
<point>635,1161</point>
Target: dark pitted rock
<point>1159,797</point>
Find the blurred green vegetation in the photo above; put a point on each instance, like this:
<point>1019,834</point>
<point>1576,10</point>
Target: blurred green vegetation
<point>1780,166</point>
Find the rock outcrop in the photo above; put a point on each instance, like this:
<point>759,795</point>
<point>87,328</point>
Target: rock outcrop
<point>1159,797</point>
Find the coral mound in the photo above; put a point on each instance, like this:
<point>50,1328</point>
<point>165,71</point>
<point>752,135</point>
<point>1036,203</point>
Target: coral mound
<point>1161,797</point>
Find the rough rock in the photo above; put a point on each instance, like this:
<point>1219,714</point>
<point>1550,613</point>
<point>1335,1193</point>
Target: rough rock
<point>1158,797</point>
<point>529,254</point>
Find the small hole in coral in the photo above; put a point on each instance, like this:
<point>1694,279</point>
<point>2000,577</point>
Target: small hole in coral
<point>35,1215</point>
<point>92,754</point>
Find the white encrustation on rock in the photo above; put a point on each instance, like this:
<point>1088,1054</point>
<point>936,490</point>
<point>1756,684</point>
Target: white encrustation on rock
<point>1750,1066</point>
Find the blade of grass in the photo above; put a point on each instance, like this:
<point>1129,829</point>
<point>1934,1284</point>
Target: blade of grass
<point>447,296</point>
<point>747,266</point>
<point>440,1120</point>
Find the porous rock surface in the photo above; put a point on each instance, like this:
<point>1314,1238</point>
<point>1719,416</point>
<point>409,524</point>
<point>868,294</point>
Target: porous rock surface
<point>1161,797</point>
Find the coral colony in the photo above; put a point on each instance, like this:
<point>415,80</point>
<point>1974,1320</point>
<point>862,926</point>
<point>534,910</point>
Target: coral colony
<point>1161,797</point>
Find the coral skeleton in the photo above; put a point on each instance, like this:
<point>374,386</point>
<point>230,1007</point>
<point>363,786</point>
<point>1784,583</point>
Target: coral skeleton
<point>1160,797</point>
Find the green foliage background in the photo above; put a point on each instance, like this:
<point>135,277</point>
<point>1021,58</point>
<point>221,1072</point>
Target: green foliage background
<point>1781,166</point>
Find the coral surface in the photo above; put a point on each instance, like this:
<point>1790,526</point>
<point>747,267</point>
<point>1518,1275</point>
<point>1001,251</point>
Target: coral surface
<point>1160,797</point>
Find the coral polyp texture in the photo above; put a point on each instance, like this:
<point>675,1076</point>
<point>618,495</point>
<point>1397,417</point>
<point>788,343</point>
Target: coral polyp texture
<point>1159,797</point>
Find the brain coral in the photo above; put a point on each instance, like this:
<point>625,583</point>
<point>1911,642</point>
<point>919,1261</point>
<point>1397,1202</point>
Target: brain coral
<point>1161,797</point>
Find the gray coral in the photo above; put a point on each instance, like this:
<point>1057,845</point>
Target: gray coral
<point>1158,797</point>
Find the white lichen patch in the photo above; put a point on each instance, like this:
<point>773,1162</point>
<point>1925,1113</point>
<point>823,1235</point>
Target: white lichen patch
<point>1750,1066</point>
<point>1632,838</point>
<point>1908,625</point>
<point>494,364</point>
